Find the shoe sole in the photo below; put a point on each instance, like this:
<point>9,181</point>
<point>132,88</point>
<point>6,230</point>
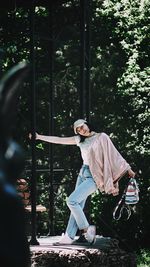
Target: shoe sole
<point>93,242</point>
<point>61,244</point>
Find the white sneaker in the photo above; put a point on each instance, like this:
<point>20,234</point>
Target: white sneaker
<point>65,239</point>
<point>90,235</point>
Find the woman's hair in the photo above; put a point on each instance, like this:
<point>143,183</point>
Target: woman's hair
<point>91,128</point>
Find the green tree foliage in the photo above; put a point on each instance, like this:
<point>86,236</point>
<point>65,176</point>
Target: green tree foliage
<point>124,98</point>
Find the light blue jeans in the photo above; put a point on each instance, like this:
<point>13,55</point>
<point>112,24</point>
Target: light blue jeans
<point>85,186</point>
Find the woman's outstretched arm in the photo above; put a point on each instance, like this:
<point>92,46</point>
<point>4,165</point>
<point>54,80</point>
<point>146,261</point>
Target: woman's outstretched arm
<point>55,139</point>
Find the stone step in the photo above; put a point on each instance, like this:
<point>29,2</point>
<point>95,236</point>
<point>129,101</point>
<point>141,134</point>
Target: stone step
<point>105,253</point>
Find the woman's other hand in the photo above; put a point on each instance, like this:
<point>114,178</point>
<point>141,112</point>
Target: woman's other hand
<point>131,173</point>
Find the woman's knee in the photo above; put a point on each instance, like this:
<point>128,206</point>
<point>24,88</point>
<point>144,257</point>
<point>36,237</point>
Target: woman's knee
<point>71,202</point>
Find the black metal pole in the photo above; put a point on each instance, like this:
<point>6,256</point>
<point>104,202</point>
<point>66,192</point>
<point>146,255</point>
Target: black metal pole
<point>51,124</point>
<point>82,59</point>
<point>87,60</point>
<point>1,61</point>
<point>33,240</point>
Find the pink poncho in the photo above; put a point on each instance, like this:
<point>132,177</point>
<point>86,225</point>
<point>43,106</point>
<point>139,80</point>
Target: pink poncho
<point>106,164</point>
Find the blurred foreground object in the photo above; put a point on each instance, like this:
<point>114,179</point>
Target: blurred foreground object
<point>14,248</point>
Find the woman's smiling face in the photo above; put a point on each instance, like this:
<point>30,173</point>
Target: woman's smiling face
<point>83,130</point>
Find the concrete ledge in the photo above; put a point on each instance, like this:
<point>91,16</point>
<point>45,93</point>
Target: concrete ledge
<point>48,255</point>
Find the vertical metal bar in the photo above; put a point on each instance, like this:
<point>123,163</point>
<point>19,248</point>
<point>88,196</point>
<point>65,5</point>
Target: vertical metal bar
<point>33,240</point>
<point>1,61</point>
<point>87,60</point>
<point>82,59</point>
<point>51,125</point>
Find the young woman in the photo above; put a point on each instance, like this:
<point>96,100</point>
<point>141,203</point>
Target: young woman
<point>88,181</point>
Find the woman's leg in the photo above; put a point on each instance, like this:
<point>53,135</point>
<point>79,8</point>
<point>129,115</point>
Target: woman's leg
<point>72,226</point>
<point>76,202</point>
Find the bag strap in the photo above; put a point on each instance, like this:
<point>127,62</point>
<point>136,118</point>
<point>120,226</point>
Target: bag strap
<point>122,206</point>
<point>119,210</point>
